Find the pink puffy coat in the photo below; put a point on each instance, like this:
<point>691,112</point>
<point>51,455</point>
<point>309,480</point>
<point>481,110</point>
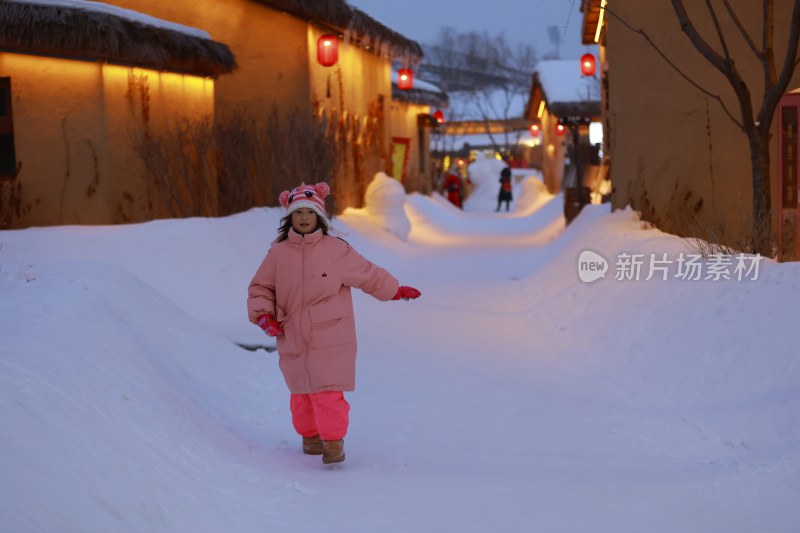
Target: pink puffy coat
<point>304,282</point>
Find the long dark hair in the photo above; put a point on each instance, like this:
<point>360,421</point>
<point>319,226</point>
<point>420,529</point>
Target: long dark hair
<point>286,225</point>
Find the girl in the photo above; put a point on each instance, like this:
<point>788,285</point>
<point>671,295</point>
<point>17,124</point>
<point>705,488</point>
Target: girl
<point>301,295</point>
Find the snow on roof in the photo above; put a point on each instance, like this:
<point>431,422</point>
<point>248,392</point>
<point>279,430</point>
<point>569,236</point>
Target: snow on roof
<point>135,16</point>
<point>418,84</point>
<point>561,81</point>
<point>484,139</point>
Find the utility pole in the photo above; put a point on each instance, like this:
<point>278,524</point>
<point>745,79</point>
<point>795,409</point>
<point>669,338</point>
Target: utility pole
<point>573,124</point>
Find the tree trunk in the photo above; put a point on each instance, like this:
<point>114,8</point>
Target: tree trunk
<point>762,222</point>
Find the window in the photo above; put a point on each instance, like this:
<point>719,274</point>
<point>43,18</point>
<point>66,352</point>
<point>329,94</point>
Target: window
<point>8,157</point>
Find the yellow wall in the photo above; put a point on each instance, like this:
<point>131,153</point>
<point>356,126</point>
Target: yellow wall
<point>673,148</point>
<point>277,61</point>
<point>404,124</point>
<point>89,114</point>
<point>553,153</point>
<point>138,101</point>
<point>269,46</point>
<point>358,90</point>
<point>72,125</point>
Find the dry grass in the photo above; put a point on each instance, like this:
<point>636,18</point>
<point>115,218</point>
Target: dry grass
<point>216,168</point>
<point>707,237</point>
<point>11,206</point>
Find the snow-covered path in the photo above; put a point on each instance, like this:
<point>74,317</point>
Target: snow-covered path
<point>510,397</point>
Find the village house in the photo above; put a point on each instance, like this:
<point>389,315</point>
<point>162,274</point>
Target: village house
<point>285,114</point>
<point>73,91</point>
<point>281,80</point>
<point>413,115</point>
<point>564,106</point>
<point>677,153</point>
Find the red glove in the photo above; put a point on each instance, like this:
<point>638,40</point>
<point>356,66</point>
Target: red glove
<point>406,293</point>
<point>270,326</point>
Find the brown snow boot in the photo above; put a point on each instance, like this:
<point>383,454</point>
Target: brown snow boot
<point>332,451</point>
<point>312,445</point>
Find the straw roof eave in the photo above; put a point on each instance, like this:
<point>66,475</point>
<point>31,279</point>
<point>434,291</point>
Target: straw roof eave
<point>420,96</point>
<point>342,18</point>
<point>76,33</point>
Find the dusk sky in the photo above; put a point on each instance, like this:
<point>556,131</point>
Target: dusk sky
<point>522,20</point>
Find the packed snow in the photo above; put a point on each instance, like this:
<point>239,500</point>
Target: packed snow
<point>562,81</point>
<point>128,14</point>
<point>511,396</point>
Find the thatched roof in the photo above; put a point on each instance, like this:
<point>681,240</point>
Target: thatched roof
<point>68,31</point>
<point>420,96</point>
<point>333,12</point>
<point>354,25</point>
<point>560,85</point>
<point>369,30</point>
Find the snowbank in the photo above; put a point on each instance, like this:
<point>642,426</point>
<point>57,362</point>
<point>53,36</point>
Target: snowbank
<point>612,407</point>
<point>384,199</point>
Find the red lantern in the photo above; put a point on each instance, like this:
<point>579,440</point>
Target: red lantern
<point>438,116</point>
<point>405,79</point>
<point>588,65</point>
<point>560,129</point>
<point>535,130</point>
<point>328,50</point>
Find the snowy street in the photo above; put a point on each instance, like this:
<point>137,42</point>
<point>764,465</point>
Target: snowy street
<point>510,397</point>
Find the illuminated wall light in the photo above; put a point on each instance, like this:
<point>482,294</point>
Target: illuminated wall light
<point>600,21</point>
<point>596,133</point>
<point>541,109</point>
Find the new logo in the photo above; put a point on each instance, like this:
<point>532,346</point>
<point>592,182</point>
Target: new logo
<point>591,266</point>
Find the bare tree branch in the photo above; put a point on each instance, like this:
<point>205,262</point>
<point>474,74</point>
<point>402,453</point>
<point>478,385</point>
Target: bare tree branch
<point>750,42</point>
<point>767,26</point>
<point>697,40</point>
<point>768,42</point>
<point>726,67</point>
<point>773,94</point>
<point>720,35</point>
<point>766,55</point>
<point>597,3</point>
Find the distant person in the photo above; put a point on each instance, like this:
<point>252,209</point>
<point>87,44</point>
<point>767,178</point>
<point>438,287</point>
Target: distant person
<point>301,295</point>
<point>505,194</point>
<point>454,186</point>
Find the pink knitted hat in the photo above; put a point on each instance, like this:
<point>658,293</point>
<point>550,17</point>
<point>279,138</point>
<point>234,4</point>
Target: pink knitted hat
<point>311,196</point>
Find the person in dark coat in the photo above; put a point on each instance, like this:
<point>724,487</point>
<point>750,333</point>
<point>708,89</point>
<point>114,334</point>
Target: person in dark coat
<point>505,194</point>
<point>453,186</point>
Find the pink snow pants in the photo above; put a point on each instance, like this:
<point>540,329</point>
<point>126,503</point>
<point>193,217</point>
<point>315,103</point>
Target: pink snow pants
<point>322,413</point>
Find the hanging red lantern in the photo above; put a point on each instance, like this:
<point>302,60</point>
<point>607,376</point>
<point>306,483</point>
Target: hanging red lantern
<point>405,79</point>
<point>588,65</point>
<point>560,129</point>
<point>438,116</point>
<point>535,130</point>
<point>328,50</point>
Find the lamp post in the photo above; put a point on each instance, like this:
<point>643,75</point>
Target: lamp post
<point>573,124</point>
